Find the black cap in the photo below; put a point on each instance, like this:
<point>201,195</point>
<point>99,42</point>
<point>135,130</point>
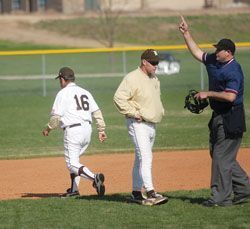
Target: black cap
<point>225,44</point>
<point>66,73</point>
<point>151,56</point>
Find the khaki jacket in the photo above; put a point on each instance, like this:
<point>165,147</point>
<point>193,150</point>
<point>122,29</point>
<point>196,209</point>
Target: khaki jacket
<point>140,94</point>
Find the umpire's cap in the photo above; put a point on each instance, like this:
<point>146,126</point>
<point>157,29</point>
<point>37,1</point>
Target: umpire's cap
<point>225,44</point>
<point>66,73</point>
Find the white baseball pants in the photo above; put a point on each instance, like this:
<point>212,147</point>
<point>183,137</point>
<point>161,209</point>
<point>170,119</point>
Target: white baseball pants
<point>143,136</point>
<point>76,141</point>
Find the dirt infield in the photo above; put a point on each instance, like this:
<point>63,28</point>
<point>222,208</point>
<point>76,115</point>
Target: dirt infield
<point>48,177</point>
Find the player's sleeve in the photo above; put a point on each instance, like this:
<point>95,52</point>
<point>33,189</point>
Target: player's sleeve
<point>99,120</point>
<point>56,112</point>
<point>208,58</point>
<point>58,106</point>
<point>232,83</point>
<point>97,114</point>
<point>123,99</point>
<point>92,104</point>
<point>54,122</point>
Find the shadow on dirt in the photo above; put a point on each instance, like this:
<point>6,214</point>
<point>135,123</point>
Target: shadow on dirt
<point>41,195</point>
<point>113,197</point>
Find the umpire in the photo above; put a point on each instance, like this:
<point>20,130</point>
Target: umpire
<point>227,124</point>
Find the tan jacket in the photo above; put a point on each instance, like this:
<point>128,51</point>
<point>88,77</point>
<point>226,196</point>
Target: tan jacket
<point>140,94</point>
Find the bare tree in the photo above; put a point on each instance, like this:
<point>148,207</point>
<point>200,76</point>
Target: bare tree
<point>104,30</point>
<point>208,3</point>
<point>142,4</point>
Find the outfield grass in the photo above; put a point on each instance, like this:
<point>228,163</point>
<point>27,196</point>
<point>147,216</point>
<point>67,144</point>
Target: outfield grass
<point>14,46</point>
<point>24,112</point>
<point>184,210</point>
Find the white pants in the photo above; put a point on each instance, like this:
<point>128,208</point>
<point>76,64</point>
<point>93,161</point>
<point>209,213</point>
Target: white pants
<point>143,136</point>
<point>76,141</point>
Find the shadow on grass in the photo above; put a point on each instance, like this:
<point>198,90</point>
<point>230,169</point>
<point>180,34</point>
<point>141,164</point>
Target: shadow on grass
<point>122,198</point>
<point>114,197</point>
<point>192,200</point>
<point>126,198</point>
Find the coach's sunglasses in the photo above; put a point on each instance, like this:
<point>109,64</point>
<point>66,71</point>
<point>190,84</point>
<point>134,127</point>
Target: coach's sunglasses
<point>154,63</point>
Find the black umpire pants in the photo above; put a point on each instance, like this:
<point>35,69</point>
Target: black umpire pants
<point>227,176</point>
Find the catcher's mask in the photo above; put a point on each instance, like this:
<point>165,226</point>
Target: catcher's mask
<point>195,105</point>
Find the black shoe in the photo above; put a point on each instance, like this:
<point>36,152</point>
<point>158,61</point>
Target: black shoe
<point>156,198</point>
<point>137,196</point>
<point>70,194</point>
<point>211,203</point>
<point>238,199</point>
<point>98,184</point>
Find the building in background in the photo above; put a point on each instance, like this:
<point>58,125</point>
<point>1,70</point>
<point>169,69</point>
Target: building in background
<point>9,6</point>
<point>81,6</point>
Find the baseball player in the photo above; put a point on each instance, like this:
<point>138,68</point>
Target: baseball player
<point>72,111</point>
<point>227,124</point>
<point>138,98</point>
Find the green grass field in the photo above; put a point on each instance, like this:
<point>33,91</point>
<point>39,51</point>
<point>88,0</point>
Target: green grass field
<point>24,111</point>
<point>183,210</point>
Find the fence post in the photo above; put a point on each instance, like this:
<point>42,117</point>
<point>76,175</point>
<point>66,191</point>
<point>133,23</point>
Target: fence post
<point>43,75</point>
<point>124,62</point>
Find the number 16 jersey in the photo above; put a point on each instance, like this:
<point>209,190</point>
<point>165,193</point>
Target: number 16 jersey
<point>74,105</point>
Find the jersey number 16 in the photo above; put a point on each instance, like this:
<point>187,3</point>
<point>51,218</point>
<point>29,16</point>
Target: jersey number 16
<point>84,103</point>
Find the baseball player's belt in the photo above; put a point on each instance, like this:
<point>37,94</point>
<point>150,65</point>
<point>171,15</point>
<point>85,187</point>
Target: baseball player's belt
<point>73,125</point>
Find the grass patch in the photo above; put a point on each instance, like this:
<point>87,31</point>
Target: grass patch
<point>6,45</point>
<point>158,30</point>
<point>24,111</point>
<point>183,210</point>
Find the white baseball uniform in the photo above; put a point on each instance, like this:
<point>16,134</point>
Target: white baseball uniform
<point>75,106</point>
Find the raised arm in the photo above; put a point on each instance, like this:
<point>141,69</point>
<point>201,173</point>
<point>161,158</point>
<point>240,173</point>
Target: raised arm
<point>192,46</point>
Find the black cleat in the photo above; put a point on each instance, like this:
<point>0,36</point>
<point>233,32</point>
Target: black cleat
<point>98,184</point>
<point>211,203</point>
<point>156,198</point>
<point>70,194</point>
<point>241,198</point>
